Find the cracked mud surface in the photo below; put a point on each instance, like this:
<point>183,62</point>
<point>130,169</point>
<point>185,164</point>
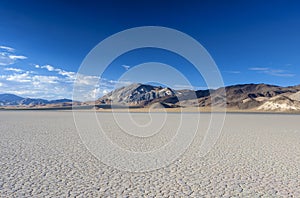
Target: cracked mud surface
<point>42,155</point>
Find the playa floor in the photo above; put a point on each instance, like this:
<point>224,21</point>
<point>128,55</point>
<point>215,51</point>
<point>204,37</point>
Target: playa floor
<point>42,155</point>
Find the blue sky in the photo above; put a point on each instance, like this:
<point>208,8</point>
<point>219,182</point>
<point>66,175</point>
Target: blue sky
<point>44,42</point>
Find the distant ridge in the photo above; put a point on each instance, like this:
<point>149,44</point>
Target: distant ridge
<point>14,100</point>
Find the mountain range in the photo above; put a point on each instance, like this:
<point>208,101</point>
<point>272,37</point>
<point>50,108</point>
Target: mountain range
<point>257,97</point>
<point>262,97</point>
<point>14,100</point>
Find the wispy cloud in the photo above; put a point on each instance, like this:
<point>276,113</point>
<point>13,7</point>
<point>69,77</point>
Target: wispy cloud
<point>233,72</point>
<point>272,72</point>
<point>6,48</point>
<point>279,72</point>
<point>127,67</point>
<point>16,57</point>
<point>7,56</point>
<point>13,69</point>
<point>50,68</point>
<point>179,87</point>
<point>259,68</point>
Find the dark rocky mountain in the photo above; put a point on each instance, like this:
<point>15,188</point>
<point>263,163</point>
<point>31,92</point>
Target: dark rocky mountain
<point>136,94</point>
<point>244,96</point>
<point>14,100</point>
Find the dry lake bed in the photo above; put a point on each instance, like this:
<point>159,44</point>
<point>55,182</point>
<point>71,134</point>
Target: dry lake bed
<point>42,155</point>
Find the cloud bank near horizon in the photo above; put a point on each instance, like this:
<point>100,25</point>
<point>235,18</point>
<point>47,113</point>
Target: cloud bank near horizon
<point>45,81</point>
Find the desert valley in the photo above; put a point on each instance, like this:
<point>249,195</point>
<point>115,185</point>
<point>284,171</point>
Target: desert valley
<point>154,99</point>
<point>255,155</point>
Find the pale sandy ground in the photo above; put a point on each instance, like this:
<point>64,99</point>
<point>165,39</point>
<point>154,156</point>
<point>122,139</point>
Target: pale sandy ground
<point>42,155</point>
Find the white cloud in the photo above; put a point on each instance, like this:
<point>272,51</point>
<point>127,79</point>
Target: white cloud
<point>93,94</point>
<point>86,85</point>
<point>45,79</point>
<point>7,57</point>
<point>22,78</point>
<point>16,57</point>
<point>259,68</point>
<point>13,69</point>
<point>233,72</point>
<point>48,67</point>
<point>70,75</point>
<point>5,60</point>
<point>29,84</point>
<point>105,92</point>
<point>87,80</point>
<point>32,83</point>
<point>114,83</point>
<point>6,48</point>
<point>126,67</point>
<point>272,72</point>
<point>279,72</point>
<point>59,85</point>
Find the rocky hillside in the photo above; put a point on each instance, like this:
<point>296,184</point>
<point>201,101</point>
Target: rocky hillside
<point>280,103</point>
<point>248,96</point>
<point>245,97</point>
<point>136,94</point>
